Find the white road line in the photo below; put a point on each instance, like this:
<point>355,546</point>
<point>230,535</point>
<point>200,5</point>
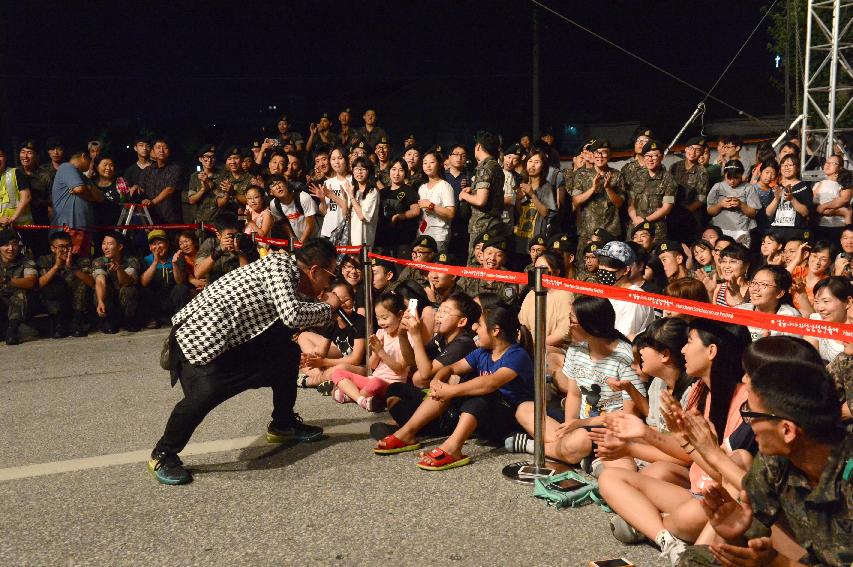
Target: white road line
<point>201,448</point>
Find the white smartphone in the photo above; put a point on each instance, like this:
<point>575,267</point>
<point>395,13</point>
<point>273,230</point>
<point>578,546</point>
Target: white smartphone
<point>413,306</point>
<point>621,562</point>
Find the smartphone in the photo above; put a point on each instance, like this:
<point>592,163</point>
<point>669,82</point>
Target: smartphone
<point>621,562</point>
<point>413,306</point>
<point>708,269</point>
<point>198,168</point>
<point>566,485</point>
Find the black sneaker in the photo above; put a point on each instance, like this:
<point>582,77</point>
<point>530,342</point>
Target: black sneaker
<point>381,430</point>
<point>326,388</point>
<point>295,431</point>
<point>78,325</point>
<point>13,335</point>
<point>132,327</point>
<point>168,469</point>
<point>108,327</point>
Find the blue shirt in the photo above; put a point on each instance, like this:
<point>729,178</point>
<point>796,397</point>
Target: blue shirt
<point>68,208</point>
<point>165,275</point>
<point>456,183</point>
<point>520,388</point>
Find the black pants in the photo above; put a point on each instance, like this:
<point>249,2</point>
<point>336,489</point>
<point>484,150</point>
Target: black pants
<point>269,360</point>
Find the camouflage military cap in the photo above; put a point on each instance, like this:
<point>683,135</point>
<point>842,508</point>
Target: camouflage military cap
<point>651,146</point>
<point>599,145</point>
<point>515,149</point>
<point>647,226</point>
<point>205,149</point>
<point>28,145</point>
<point>426,241</point>
<point>669,246</point>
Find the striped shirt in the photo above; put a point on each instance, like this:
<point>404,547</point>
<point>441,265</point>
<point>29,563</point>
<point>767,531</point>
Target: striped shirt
<point>587,372</point>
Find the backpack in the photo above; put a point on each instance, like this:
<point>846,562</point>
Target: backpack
<point>587,492</point>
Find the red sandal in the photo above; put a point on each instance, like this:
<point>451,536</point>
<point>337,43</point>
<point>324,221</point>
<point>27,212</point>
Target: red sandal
<point>392,445</point>
<point>440,460</point>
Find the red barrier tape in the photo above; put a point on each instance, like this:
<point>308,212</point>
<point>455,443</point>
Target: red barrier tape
<point>114,227</point>
<point>780,323</point>
<point>298,244</point>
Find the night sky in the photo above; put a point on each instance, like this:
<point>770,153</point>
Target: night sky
<point>439,69</point>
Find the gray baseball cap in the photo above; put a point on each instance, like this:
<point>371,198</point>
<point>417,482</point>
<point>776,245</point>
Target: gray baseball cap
<point>617,250</point>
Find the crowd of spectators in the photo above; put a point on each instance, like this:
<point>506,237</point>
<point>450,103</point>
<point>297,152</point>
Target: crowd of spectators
<point>694,428</point>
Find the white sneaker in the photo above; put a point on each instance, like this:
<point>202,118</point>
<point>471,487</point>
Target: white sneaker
<point>670,546</point>
<point>625,532</point>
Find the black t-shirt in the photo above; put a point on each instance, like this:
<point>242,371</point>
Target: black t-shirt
<point>456,350</point>
<point>345,338</point>
<point>393,202</point>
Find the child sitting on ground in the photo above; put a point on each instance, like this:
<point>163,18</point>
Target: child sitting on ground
<point>385,359</point>
<point>342,345</point>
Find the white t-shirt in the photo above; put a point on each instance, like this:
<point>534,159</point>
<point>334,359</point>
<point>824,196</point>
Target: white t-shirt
<point>441,195</point>
<point>825,191</point>
<point>632,318</point>
<point>297,220</point>
<point>828,348</point>
<point>334,216</point>
<point>370,209</point>
<point>586,372</point>
<point>758,332</point>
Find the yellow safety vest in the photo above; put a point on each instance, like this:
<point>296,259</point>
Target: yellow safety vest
<point>9,197</point>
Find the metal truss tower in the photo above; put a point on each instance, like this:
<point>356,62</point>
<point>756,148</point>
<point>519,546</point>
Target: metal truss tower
<point>828,52</point>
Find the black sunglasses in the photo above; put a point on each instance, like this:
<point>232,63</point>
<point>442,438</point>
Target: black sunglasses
<point>750,416</point>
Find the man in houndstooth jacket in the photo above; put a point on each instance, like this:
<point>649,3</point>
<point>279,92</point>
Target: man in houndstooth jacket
<point>236,336</point>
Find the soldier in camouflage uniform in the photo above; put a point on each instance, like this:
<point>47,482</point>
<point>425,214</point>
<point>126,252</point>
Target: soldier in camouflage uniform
<point>494,258</point>
<point>689,216</point>
<point>485,194</point>
<point>40,183</point>
<point>18,276</point>
<point>631,171</point>
<point>653,195</point>
<point>423,250</point>
<point>65,286</point>
<point>202,186</point>
<point>383,162</point>
<point>801,479</point>
<point>598,194</point>
<point>233,182</point>
<point>116,285</point>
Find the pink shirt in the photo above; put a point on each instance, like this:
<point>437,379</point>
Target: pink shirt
<point>391,345</point>
<point>699,478</point>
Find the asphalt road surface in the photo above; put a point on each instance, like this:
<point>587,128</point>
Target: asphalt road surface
<point>80,417</point>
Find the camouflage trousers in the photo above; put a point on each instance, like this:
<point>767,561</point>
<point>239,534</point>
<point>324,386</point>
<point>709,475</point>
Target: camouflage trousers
<point>14,303</point>
<point>123,301</point>
<point>63,295</point>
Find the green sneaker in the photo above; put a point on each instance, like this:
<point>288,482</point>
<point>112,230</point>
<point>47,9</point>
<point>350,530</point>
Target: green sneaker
<point>168,469</point>
<point>295,431</point>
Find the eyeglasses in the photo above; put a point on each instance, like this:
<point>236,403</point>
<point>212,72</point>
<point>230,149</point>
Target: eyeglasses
<point>207,157</point>
<point>331,274</point>
<point>443,312</point>
<point>760,285</point>
<point>750,416</point>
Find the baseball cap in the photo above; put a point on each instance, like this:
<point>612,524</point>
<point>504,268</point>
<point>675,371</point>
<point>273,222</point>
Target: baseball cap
<point>619,251</point>
<point>157,234</point>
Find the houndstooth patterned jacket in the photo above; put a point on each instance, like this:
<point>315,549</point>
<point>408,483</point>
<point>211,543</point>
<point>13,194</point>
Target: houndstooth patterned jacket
<point>242,304</point>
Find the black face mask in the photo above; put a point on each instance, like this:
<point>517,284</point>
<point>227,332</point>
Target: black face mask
<point>606,277</point>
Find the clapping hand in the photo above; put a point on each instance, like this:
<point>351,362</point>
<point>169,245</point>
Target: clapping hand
<point>730,519</point>
<point>628,426</point>
<point>375,344</point>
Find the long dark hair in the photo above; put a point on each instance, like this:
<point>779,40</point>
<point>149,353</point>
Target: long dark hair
<point>370,182</point>
<point>726,368</point>
<point>596,316</point>
<point>511,330</point>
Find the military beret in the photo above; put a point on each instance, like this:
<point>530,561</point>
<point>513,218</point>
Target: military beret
<point>325,115</point>
<point>360,145</point>
<point>697,141</point>
<point>642,131</point>
<point>515,149</point>
<point>233,151</point>
<point>283,118</point>
<point>389,266</point>
<point>499,242</point>
<point>669,246</point>
<point>205,149</point>
<point>599,145</point>
<point>247,153</point>
<point>588,144</point>
<point>445,259</point>
<point>537,241</point>
<point>28,145</point>
<point>383,140</point>
<point>53,142</point>
<point>426,241</point>
<point>647,226</point>
<point>591,248</point>
<point>562,243</point>
<point>409,137</point>
<point>651,146</point>
<point>483,238</point>
<point>7,235</point>
<point>436,149</point>
<point>602,235</point>
<point>255,145</point>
